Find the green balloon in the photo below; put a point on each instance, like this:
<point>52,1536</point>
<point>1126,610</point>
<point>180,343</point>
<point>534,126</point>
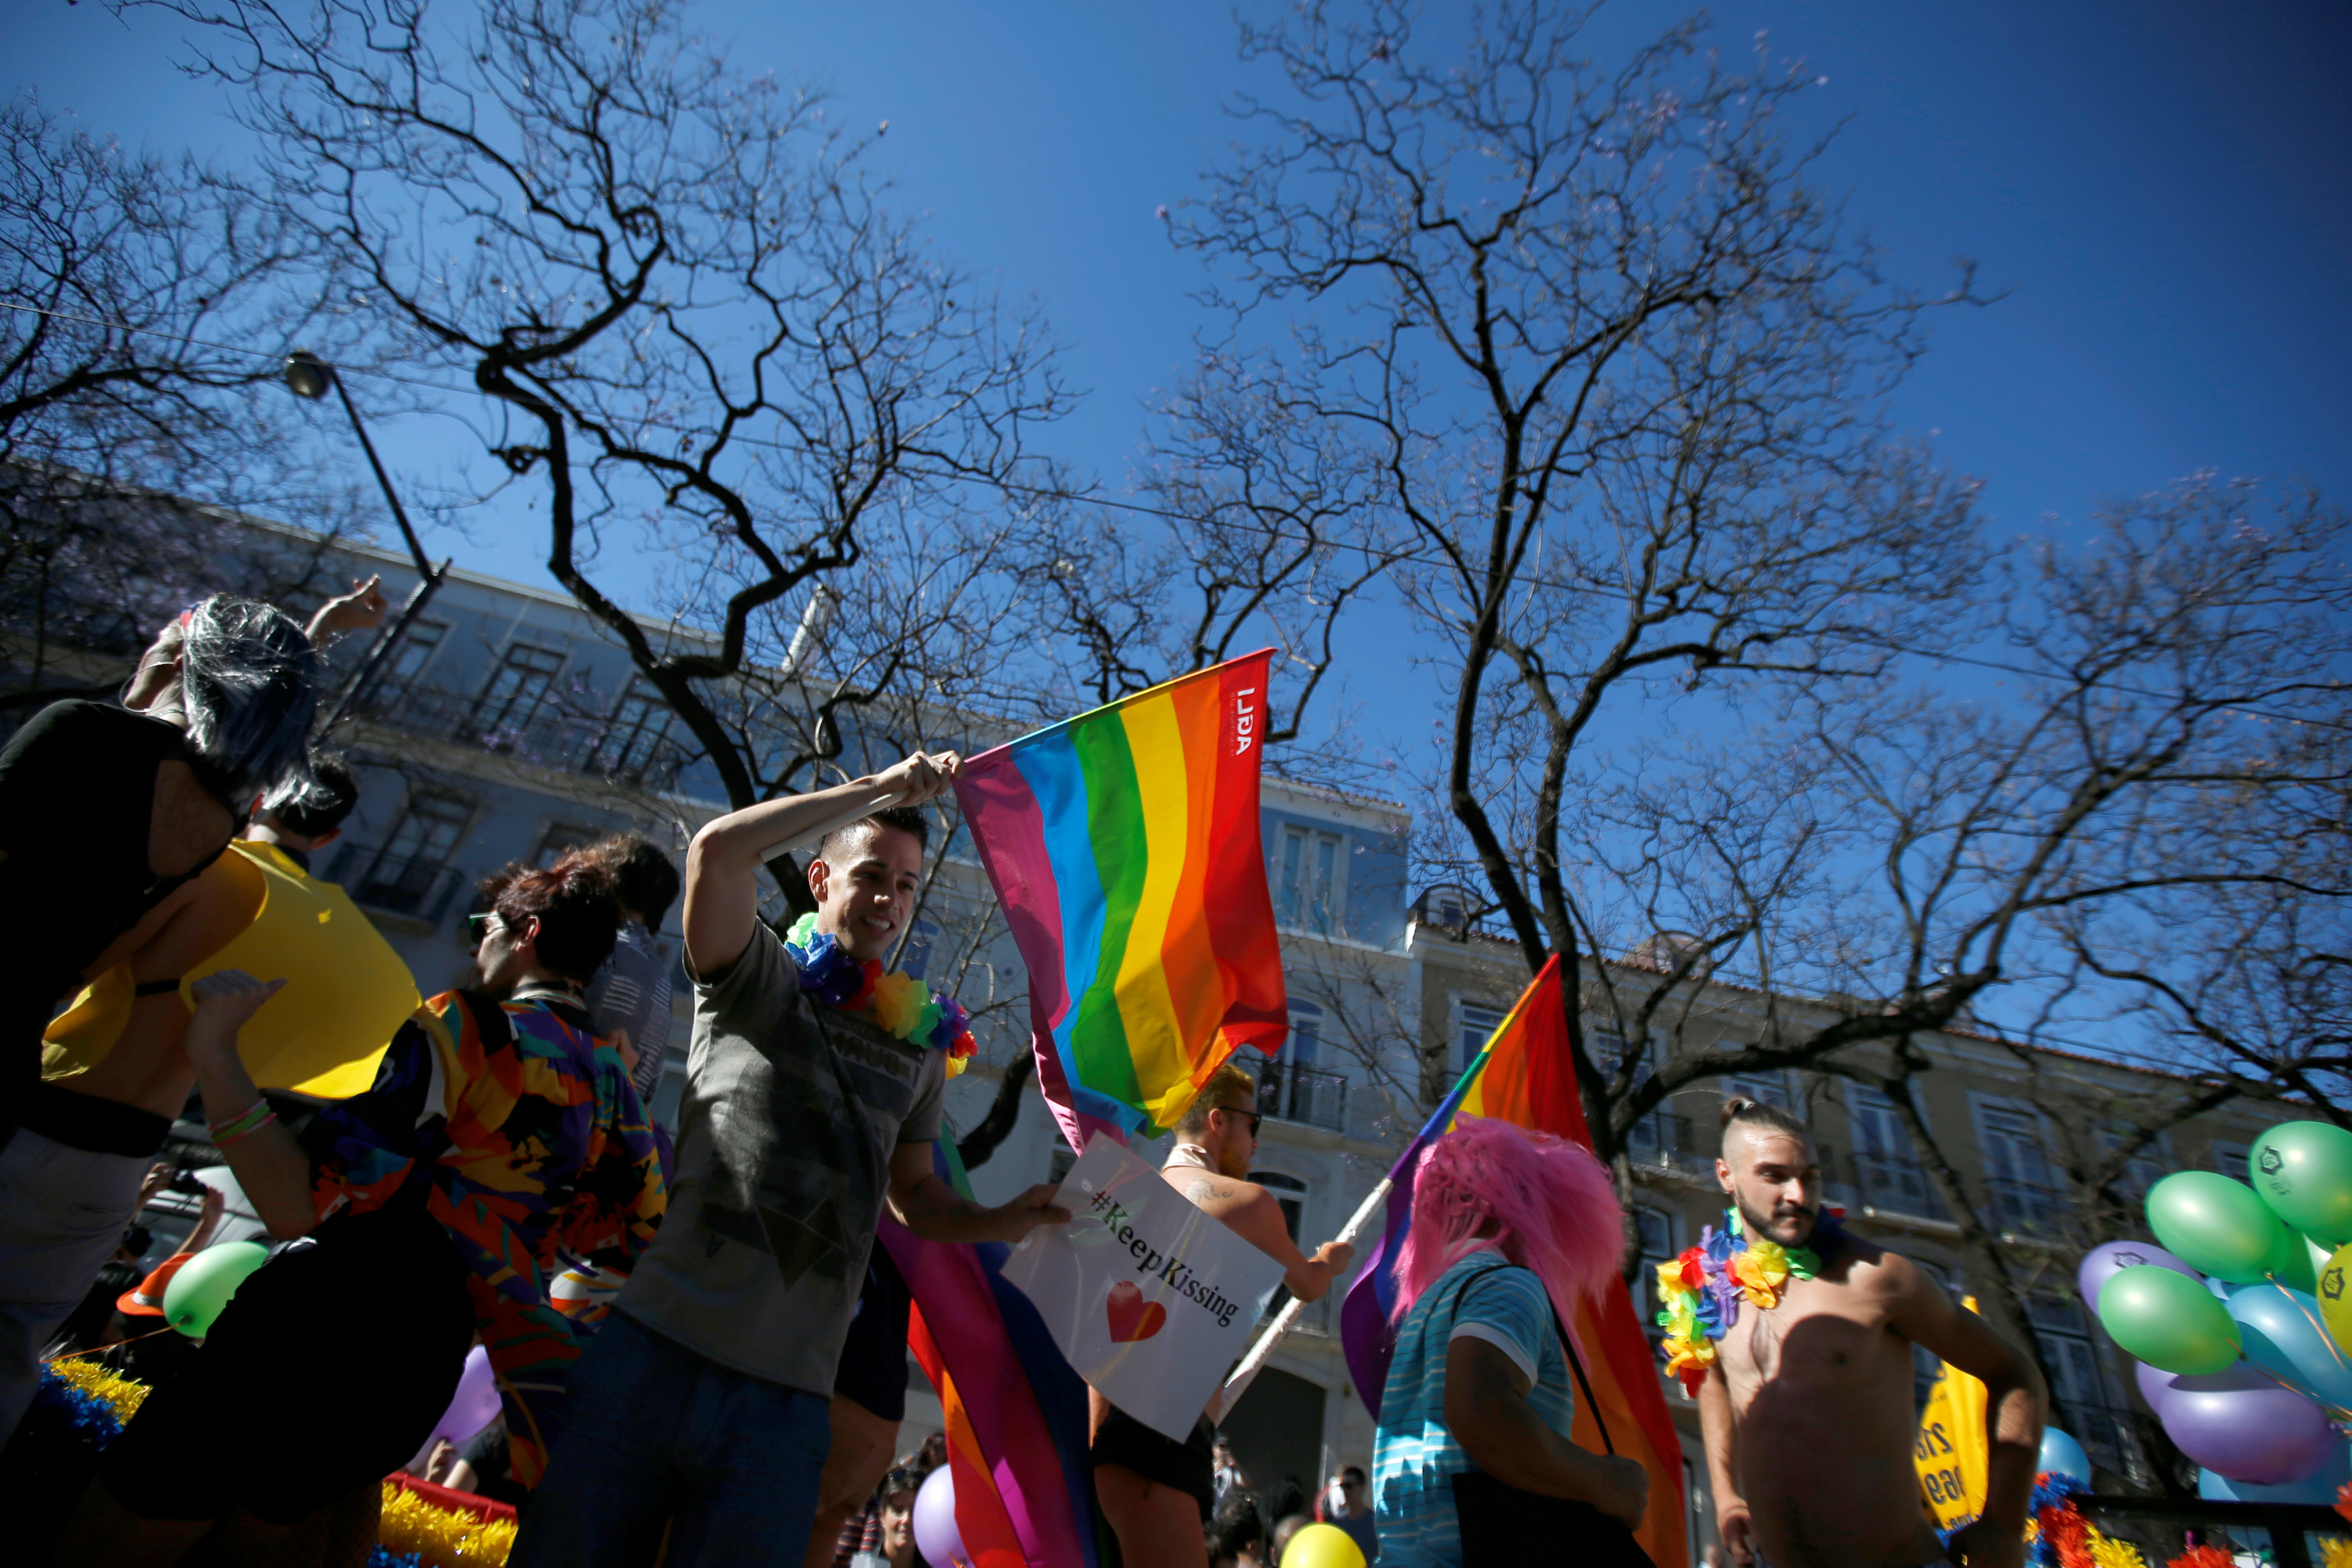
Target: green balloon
<point>205,1283</point>
<point>2212,1223</point>
<point>2168,1321</point>
<point>2292,1264</point>
<point>2304,1171</point>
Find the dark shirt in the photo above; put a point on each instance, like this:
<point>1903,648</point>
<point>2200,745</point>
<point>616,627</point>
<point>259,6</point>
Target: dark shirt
<point>77,805</point>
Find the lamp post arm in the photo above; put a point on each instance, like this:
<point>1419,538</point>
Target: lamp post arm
<point>392,499</point>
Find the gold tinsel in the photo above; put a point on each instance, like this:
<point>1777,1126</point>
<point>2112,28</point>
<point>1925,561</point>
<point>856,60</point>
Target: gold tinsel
<point>2108,1552</point>
<point>441,1537</point>
<point>2336,1552</point>
<point>120,1394</point>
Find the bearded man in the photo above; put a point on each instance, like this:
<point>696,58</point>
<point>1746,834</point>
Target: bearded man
<point>1807,1404</point>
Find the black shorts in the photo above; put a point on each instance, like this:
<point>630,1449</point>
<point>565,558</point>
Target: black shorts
<point>1189,1466</point>
<point>872,1371</point>
<point>326,1372</point>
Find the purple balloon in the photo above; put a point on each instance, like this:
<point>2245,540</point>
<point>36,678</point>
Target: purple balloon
<point>2241,1425</point>
<point>476,1403</point>
<point>2101,1263</point>
<point>936,1535</point>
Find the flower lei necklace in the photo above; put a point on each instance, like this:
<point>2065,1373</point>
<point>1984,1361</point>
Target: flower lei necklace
<point>895,1003</point>
<point>1700,1291</point>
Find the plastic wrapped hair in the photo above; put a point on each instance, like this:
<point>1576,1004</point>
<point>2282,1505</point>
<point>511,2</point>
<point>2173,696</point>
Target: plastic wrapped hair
<point>248,683</point>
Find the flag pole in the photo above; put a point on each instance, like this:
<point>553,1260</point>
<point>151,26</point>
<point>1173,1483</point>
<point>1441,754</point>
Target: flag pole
<point>1246,1369</point>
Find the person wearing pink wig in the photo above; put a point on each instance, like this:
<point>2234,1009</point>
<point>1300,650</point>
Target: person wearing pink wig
<point>1511,1231</point>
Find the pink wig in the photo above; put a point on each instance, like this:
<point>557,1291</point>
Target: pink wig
<point>1544,1203</point>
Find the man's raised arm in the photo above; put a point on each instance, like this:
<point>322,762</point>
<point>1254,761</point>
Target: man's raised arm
<point>722,863</point>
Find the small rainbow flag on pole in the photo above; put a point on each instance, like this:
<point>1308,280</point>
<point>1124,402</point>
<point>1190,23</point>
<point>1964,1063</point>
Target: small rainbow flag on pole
<point>1124,847</point>
<point>1525,1076</point>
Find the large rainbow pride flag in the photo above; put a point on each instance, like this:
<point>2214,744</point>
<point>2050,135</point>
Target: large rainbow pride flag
<point>1525,1075</point>
<point>1016,1410</point>
<point>1124,847</point>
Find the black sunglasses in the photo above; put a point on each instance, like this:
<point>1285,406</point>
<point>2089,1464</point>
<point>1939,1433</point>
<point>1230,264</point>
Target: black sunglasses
<point>1254,1117</point>
<point>478,927</point>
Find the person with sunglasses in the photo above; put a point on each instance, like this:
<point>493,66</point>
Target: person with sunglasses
<point>1155,1492</point>
<point>498,1138</point>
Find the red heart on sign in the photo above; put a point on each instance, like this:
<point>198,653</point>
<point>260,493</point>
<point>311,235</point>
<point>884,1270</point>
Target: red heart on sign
<point>1131,1317</point>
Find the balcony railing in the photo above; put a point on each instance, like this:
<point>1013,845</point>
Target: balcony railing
<point>1290,1093</point>
<point>554,735</point>
<point>412,885</point>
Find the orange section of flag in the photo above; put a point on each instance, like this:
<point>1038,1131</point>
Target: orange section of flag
<point>981,1518</point>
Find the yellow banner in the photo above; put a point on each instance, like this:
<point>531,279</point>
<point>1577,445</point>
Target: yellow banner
<point>1950,1453</point>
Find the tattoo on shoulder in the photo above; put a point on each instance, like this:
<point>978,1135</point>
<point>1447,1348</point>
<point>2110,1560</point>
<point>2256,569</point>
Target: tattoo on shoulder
<point>1203,1191</point>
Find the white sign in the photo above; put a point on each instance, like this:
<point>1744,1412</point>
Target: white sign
<point>1150,1298</point>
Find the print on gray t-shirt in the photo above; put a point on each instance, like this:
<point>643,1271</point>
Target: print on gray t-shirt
<point>783,1151</point>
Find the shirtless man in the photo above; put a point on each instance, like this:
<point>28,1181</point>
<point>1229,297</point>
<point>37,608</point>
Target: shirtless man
<point>1155,1492</point>
<point>1808,1408</point>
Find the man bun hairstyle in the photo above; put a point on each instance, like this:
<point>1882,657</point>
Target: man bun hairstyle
<point>1739,1111</point>
<point>906,818</point>
<point>318,804</point>
<point>1227,1085</point>
<point>644,879</point>
<point>248,685</point>
<point>578,917</point>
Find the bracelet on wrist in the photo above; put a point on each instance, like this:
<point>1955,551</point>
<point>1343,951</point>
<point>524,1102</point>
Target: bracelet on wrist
<point>221,1143</point>
<point>243,1122</point>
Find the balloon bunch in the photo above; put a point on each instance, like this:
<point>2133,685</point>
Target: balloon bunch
<point>2238,1321</point>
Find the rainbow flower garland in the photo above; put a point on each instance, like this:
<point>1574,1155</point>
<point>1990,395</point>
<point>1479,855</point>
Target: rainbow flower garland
<point>1700,1291</point>
<point>895,1003</point>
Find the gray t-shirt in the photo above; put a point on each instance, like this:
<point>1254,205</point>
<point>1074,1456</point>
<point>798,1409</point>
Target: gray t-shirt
<point>783,1154</point>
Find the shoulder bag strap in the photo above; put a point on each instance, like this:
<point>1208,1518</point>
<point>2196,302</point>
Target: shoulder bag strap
<point>1567,1346</point>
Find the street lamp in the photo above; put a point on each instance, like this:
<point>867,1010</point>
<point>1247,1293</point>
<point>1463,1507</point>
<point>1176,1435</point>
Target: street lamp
<point>309,377</point>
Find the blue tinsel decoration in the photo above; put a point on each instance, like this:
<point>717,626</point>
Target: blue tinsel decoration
<point>73,1410</point>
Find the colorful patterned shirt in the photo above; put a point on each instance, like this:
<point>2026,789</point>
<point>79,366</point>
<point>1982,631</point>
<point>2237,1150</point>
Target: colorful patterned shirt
<point>526,1141</point>
<point>1415,1457</point>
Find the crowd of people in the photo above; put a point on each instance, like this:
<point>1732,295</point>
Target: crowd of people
<point>699,1349</point>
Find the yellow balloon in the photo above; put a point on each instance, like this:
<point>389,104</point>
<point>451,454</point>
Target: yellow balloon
<point>1322,1546</point>
<point>2336,1295</point>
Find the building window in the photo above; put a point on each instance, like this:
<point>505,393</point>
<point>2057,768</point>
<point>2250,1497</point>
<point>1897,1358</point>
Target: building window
<point>634,737</point>
<point>1291,1087</point>
<point>1290,1193</point>
<point>430,829</point>
<point>560,839</point>
<point>1064,1158</point>
<point>1886,1171</point>
<point>2144,1169</point>
<point>2026,1196</point>
<point>1479,1026</point>
<point>2230,1158</point>
<point>1772,1087</point>
<point>414,652</point>
<point>1306,884</point>
<point>411,874</point>
<point>1305,1034</point>
<point>522,683</point>
<point>2066,1340</point>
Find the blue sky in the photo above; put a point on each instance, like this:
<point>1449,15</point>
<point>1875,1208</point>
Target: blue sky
<point>2164,191</point>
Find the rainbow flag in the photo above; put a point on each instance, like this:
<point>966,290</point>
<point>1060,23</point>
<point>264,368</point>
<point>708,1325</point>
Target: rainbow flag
<point>1124,847</point>
<point>1525,1075</point>
<point>1016,1412</point>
